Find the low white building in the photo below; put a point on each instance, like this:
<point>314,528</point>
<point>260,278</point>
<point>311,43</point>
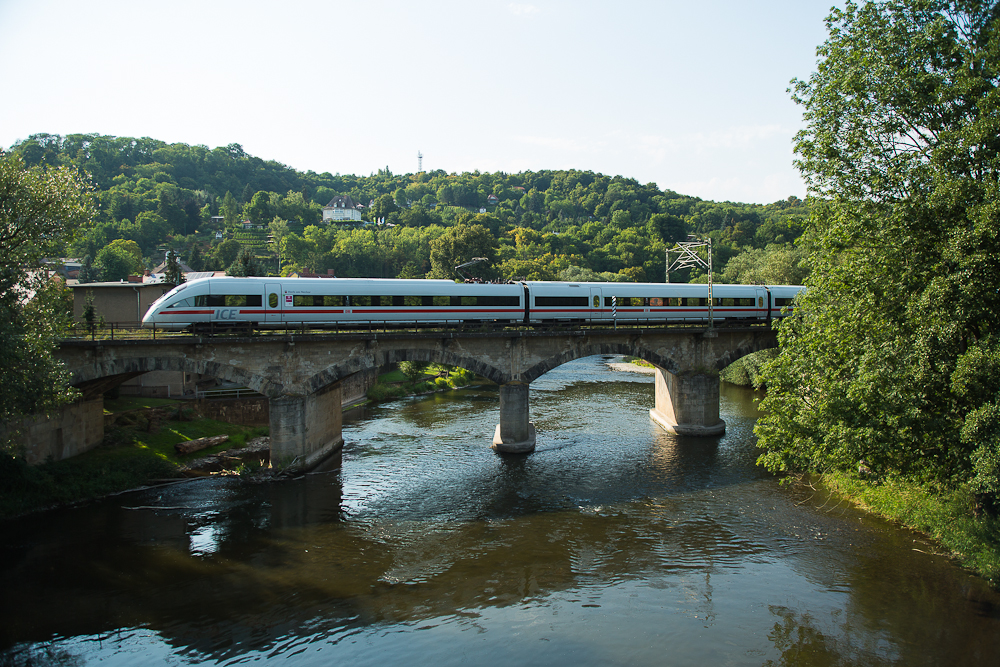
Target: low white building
<point>341,208</point>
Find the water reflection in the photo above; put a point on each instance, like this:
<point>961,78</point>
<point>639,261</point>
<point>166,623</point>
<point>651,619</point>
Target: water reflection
<point>614,543</point>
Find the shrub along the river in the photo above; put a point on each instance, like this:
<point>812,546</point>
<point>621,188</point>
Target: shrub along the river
<point>890,364</point>
<point>747,371</point>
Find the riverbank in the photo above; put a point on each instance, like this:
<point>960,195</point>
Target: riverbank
<point>631,365</point>
<point>436,378</point>
<point>946,517</point>
<point>137,451</point>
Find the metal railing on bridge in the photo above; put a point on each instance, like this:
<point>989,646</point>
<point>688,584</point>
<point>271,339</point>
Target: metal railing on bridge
<point>216,394</point>
<point>122,331</point>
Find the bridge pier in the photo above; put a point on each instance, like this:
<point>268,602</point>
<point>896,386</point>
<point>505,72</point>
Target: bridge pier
<point>515,434</point>
<point>305,429</point>
<point>688,403</point>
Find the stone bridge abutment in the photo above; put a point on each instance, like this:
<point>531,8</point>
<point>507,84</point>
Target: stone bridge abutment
<point>301,374</point>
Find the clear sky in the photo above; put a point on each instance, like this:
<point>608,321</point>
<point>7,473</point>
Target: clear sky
<point>688,95</point>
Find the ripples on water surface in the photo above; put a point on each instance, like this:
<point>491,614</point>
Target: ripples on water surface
<point>614,543</point>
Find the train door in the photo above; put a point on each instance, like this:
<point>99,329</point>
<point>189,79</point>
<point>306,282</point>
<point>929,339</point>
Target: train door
<point>272,302</point>
<point>761,303</point>
<point>596,308</point>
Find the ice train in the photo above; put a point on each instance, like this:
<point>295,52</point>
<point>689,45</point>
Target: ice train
<point>281,302</point>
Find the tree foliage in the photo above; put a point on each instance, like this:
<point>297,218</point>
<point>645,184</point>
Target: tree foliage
<point>246,264</point>
<point>39,207</point>
<point>159,194</point>
<point>884,368</point>
<point>172,273</point>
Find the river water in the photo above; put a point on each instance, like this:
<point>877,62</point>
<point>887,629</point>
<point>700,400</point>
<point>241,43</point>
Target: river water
<point>613,543</point>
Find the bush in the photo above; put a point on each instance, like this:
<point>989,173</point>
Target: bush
<point>381,392</point>
<point>461,377</point>
<point>746,371</point>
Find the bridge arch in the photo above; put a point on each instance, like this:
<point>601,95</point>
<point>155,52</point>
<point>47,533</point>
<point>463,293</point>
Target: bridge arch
<point>627,349</point>
<point>125,368</point>
<point>338,372</point>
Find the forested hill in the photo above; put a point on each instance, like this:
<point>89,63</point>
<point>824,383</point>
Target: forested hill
<point>542,225</point>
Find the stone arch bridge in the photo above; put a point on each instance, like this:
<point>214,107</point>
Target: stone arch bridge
<point>301,374</point>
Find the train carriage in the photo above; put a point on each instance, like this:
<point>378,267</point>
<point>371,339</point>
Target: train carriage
<point>675,302</point>
<point>281,302</point>
<point>278,302</point>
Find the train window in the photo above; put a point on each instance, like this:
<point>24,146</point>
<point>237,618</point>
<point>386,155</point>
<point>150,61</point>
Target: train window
<point>760,302</point>
<point>558,301</point>
<point>454,301</point>
<point>183,303</point>
<point>210,300</point>
<point>272,300</point>
<point>597,301</point>
<point>241,300</point>
<point>361,300</point>
<point>425,300</point>
<point>333,300</point>
<point>469,301</point>
<point>506,301</point>
<point>694,301</point>
<point>398,300</point>
<point>782,302</point>
<point>441,300</point>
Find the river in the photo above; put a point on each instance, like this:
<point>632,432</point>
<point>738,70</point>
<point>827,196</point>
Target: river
<point>613,543</point>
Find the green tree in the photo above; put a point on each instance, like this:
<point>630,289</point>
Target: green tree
<point>880,369</point>
<point>258,211</point>
<point>114,263</point>
<point>413,370</point>
<point>668,228</point>
<point>88,274</point>
<point>231,211</point>
<point>460,244</point>
<point>172,273</point>
<point>246,264</point>
<point>194,258</point>
<point>775,265</point>
<point>133,250</point>
<point>226,253</point>
<point>39,208</point>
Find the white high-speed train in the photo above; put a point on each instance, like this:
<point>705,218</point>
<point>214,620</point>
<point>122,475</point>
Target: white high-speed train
<point>280,302</point>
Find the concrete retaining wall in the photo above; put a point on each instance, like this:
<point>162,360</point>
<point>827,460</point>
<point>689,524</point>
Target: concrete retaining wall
<point>354,388</point>
<point>242,411</point>
<point>70,430</point>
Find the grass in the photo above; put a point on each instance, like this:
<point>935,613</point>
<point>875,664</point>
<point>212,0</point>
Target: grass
<point>947,517</point>
<point>126,403</point>
<point>172,432</point>
<point>128,458</point>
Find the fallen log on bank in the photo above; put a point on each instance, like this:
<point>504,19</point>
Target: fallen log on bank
<point>189,446</point>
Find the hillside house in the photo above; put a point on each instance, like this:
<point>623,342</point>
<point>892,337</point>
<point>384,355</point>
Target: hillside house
<point>341,209</point>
